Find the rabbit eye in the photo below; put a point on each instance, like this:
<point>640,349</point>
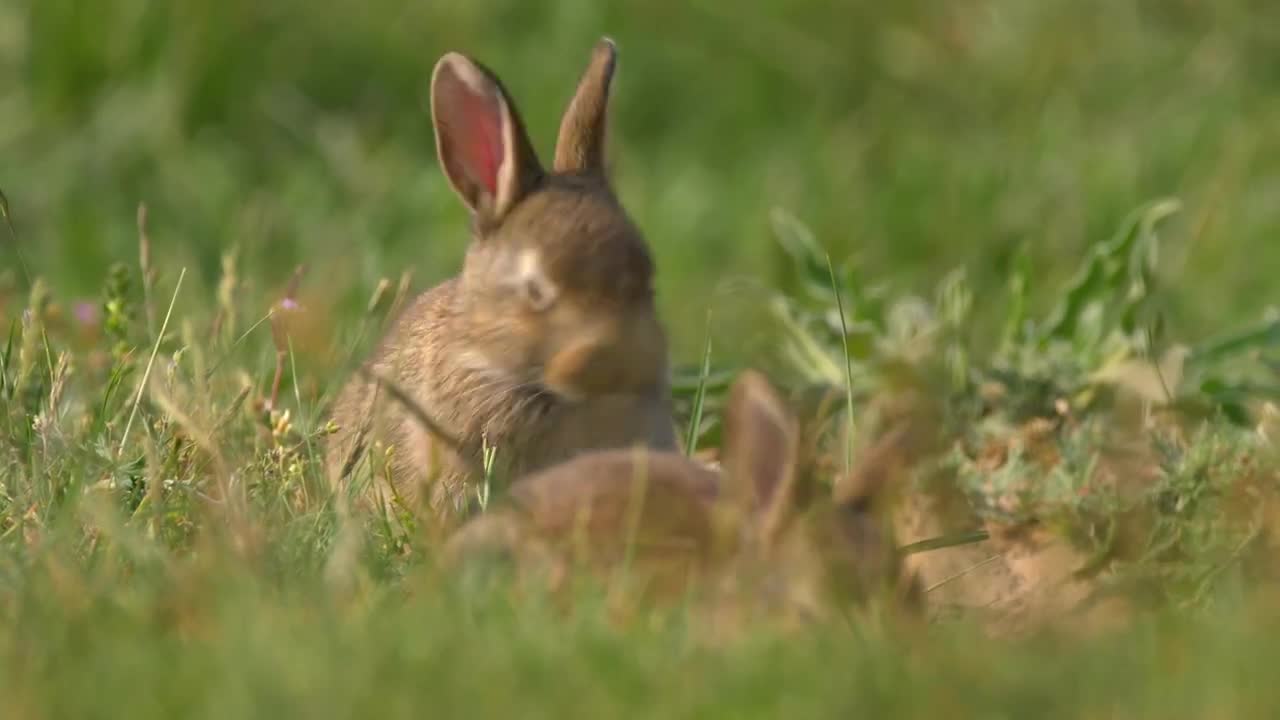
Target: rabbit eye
<point>538,292</point>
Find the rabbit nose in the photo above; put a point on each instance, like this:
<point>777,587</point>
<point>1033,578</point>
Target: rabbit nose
<point>583,369</point>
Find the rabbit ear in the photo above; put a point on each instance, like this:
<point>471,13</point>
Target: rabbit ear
<point>761,452</point>
<point>483,146</point>
<point>876,468</point>
<point>580,146</point>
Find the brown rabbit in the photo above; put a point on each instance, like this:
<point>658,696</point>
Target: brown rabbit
<point>749,533</point>
<point>547,343</point>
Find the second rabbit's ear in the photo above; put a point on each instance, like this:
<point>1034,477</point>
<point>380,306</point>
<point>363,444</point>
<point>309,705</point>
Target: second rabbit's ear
<point>761,453</point>
<point>482,143</point>
<point>580,145</point>
<point>876,467</point>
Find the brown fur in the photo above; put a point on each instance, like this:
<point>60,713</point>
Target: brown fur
<point>547,344</point>
<point>676,525</point>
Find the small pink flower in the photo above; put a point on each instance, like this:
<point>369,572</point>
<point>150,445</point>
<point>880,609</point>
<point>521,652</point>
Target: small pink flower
<point>86,313</point>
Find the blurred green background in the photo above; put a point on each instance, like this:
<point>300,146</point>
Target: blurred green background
<point>913,137</point>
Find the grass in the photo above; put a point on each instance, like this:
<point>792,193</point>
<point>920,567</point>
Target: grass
<point>1053,223</point>
<point>187,568</point>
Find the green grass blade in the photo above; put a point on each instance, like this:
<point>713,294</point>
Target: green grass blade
<point>1017,314</point>
<point>4,360</point>
<point>146,375</point>
<point>113,385</point>
<point>848,368</point>
<point>699,396</point>
<point>8,218</point>
<point>297,398</point>
<point>944,541</point>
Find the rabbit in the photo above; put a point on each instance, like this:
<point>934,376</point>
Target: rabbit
<point>547,343</point>
<point>752,531</point>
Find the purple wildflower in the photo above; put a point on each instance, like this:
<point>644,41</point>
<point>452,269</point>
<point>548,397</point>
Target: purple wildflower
<point>86,313</point>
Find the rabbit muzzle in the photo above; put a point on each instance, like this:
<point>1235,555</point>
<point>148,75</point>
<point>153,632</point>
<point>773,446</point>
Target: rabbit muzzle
<point>626,361</point>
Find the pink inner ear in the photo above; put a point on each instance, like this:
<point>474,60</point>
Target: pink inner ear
<point>483,117</point>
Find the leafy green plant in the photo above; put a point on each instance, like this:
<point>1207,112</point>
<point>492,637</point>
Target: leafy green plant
<point>1085,418</point>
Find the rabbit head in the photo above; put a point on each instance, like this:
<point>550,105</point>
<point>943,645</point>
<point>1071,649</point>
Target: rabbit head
<point>756,535</point>
<point>800,552</point>
<point>557,283</point>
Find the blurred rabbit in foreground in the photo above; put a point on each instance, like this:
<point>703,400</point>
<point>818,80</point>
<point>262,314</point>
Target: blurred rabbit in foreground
<point>754,531</point>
